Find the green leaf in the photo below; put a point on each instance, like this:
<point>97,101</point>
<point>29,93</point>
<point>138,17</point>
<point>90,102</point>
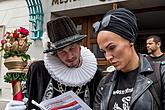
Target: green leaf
<point>9,77</point>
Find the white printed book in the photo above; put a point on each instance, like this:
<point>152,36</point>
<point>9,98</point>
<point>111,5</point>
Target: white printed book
<point>66,101</point>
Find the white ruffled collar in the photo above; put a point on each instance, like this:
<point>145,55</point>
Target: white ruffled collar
<point>72,76</point>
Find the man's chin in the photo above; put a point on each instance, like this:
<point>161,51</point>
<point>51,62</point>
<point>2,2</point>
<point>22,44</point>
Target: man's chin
<point>72,65</point>
<point>149,52</point>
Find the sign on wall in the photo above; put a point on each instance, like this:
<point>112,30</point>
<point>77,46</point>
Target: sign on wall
<point>60,5</point>
<point>57,2</point>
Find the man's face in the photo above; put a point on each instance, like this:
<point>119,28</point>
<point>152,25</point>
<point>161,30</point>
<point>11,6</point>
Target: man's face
<point>70,55</point>
<point>117,50</point>
<point>151,46</point>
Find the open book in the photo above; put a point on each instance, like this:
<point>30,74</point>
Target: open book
<point>66,101</point>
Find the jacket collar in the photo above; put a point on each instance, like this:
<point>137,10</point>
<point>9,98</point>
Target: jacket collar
<point>142,82</point>
<point>145,65</point>
<point>144,68</point>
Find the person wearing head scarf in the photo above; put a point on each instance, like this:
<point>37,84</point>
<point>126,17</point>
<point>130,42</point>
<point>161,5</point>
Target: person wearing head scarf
<point>128,87</point>
<point>66,66</point>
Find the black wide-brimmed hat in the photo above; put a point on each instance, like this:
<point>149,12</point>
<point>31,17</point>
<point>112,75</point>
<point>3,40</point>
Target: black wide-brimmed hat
<point>62,32</point>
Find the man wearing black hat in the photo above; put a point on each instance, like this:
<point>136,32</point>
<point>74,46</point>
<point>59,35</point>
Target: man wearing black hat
<point>67,66</point>
<point>133,85</point>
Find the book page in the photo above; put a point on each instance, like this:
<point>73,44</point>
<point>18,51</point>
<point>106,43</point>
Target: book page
<point>66,101</point>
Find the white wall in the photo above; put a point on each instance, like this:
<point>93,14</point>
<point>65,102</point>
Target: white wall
<point>13,14</point>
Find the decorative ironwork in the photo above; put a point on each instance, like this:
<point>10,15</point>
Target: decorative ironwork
<point>36,18</point>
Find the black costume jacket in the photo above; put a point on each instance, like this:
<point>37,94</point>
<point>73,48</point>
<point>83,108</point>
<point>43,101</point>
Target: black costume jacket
<point>38,79</point>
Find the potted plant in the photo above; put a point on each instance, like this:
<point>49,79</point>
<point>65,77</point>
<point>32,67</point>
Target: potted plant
<point>15,45</point>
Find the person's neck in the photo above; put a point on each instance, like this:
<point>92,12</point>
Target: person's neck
<point>157,53</point>
<point>133,64</point>
<point>80,63</point>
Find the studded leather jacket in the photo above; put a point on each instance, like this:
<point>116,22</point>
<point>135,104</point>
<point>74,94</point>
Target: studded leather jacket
<point>141,98</point>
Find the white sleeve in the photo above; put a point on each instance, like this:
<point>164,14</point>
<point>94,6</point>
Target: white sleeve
<point>15,105</point>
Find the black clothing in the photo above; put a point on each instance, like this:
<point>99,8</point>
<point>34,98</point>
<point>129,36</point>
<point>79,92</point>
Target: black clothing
<point>156,59</point>
<point>141,98</point>
<point>121,94</point>
<point>38,79</point>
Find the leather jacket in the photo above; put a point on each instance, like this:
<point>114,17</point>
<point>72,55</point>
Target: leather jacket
<point>141,98</point>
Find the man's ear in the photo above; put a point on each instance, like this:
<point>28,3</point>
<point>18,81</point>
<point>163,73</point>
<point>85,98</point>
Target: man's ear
<point>159,44</point>
<point>79,43</point>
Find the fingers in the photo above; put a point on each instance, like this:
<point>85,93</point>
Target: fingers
<point>25,100</point>
<point>15,103</point>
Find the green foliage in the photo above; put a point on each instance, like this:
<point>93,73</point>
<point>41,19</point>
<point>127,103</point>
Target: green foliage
<point>24,56</point>
<point>9,77</point>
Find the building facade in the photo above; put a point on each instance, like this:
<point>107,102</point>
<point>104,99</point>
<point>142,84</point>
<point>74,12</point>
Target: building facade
<point>15,13</point>
<point>150,18</point>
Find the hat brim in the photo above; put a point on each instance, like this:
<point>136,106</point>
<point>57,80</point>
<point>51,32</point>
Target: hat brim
<point>65,42</point>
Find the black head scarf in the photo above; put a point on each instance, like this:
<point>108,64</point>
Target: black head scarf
<point>120,21</point>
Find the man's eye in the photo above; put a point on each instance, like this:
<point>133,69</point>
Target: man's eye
<point>61,52</point>
<point>72,48</point>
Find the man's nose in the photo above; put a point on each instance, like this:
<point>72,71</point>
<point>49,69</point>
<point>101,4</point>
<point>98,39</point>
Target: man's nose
<point>147,45</point>
<point>69,55</point>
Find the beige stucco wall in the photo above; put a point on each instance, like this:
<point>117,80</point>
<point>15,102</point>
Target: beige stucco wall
<point>13,14</point>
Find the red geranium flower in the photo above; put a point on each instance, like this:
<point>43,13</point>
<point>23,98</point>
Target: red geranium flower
<point>15,35</point>
<point>16,43</point>
<point>23,31</point>
<point>7,34</point>
<point>3,42</point>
